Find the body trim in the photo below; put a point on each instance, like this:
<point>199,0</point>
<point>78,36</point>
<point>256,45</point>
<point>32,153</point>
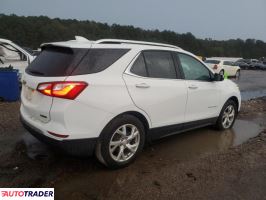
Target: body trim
<point>161,132</point>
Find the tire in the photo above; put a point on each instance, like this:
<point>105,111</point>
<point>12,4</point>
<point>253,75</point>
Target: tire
<point>237,73</point>
<point>221,124</point>
<point>221,72</point>
<point>116,140</point>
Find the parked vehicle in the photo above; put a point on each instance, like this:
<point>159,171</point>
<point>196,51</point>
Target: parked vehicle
<point>242,64</point>
<point>14,55</point>
<point>31,51</point>
<point>223,66</point>
<point>258,65</point>
<point>110,96</point>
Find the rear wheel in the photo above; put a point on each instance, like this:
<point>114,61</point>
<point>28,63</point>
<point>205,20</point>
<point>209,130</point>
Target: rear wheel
<point>121,141</point>
<point>227,116</point>
<point>237,74</point>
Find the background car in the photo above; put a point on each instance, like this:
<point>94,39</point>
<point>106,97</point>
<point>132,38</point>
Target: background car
<point>14,55</point>
<point>224,66</point>
<point>242,64</point>
<point>259,66</point>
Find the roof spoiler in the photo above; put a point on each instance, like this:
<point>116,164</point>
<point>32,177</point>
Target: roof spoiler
<point>81,39</point>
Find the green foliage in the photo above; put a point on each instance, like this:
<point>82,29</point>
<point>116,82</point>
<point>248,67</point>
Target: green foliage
<point>32,31</point>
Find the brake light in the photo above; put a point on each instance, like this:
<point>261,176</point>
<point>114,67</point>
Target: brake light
<point>215,67</point>
<point>63,89</point>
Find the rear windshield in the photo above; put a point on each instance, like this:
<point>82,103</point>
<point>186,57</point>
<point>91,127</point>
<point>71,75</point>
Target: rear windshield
<point>212,61</point>
<point>56,61</point>
<point>60,61</point>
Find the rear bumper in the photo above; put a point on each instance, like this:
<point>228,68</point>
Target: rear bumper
<point>75,147</point>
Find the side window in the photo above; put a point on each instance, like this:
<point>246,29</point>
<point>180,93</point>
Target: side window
<point>193,69</point>
<point>98,60</point>
<point>160,64</point>
<point>138,67</point>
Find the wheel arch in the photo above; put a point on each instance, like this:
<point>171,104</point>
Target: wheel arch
<point>141,117</point>
<point>235,99</point>
<point>136,114</point>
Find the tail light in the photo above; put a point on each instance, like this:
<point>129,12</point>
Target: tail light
<point>63,89</point>
<point>215,67</point>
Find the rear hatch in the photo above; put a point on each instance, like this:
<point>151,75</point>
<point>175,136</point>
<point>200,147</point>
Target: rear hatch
<point>213,64</point>
<point>53,64</point>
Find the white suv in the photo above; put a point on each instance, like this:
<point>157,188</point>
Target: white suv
<point>110,96</point>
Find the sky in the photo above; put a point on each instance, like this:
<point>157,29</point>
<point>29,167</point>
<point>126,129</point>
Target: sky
<point>216,19</point>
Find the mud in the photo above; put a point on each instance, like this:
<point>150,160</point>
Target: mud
<point>200,164</point>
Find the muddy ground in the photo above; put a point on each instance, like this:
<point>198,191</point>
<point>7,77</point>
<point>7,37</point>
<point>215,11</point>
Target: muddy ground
<point>200,164</point>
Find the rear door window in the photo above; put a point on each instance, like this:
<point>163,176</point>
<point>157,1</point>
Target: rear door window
<point>139,67</point>
<point>160,64</point>
<point>98,60</point>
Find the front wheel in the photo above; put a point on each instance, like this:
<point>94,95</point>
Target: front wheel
<point>121,141</point>
<point>227,116</point>
<point>221,72</point>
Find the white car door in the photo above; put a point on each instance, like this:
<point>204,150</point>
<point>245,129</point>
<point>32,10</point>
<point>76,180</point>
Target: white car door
<point>203,94</point>
<point>154,86</point>
<point>229,68</point>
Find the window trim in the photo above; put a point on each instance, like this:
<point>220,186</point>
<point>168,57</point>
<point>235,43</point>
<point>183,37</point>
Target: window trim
<point>133,63</point>
<point>178,73</point>
<point>182,72</point>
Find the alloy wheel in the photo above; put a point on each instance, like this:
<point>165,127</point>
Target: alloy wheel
<point>124,142</point>
<point>228,116</point>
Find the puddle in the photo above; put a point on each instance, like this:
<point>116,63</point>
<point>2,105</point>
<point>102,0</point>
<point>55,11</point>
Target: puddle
<point>192,144</point>
<point>251,94</point>
<point>35,149</point>
<point>183,146</point>
<point>88,180</point>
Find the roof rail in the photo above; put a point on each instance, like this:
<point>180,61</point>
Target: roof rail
<point>117,41</point>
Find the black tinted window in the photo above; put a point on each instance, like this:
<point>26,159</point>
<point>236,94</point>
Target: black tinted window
<point>193,69</point>
<point>160,64</point>
<point>98,60</point>
<point>56,61</point>
<point>138,67</point>
<point>212,61</point>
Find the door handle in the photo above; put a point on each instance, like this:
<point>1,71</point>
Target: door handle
<point>193,87</point>
<point>142,85</point>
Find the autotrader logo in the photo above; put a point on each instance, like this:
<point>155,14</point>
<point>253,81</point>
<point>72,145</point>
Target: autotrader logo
<point>27,193</point>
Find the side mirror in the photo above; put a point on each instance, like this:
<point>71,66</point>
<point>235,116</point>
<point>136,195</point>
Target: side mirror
<point>218,77</point>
